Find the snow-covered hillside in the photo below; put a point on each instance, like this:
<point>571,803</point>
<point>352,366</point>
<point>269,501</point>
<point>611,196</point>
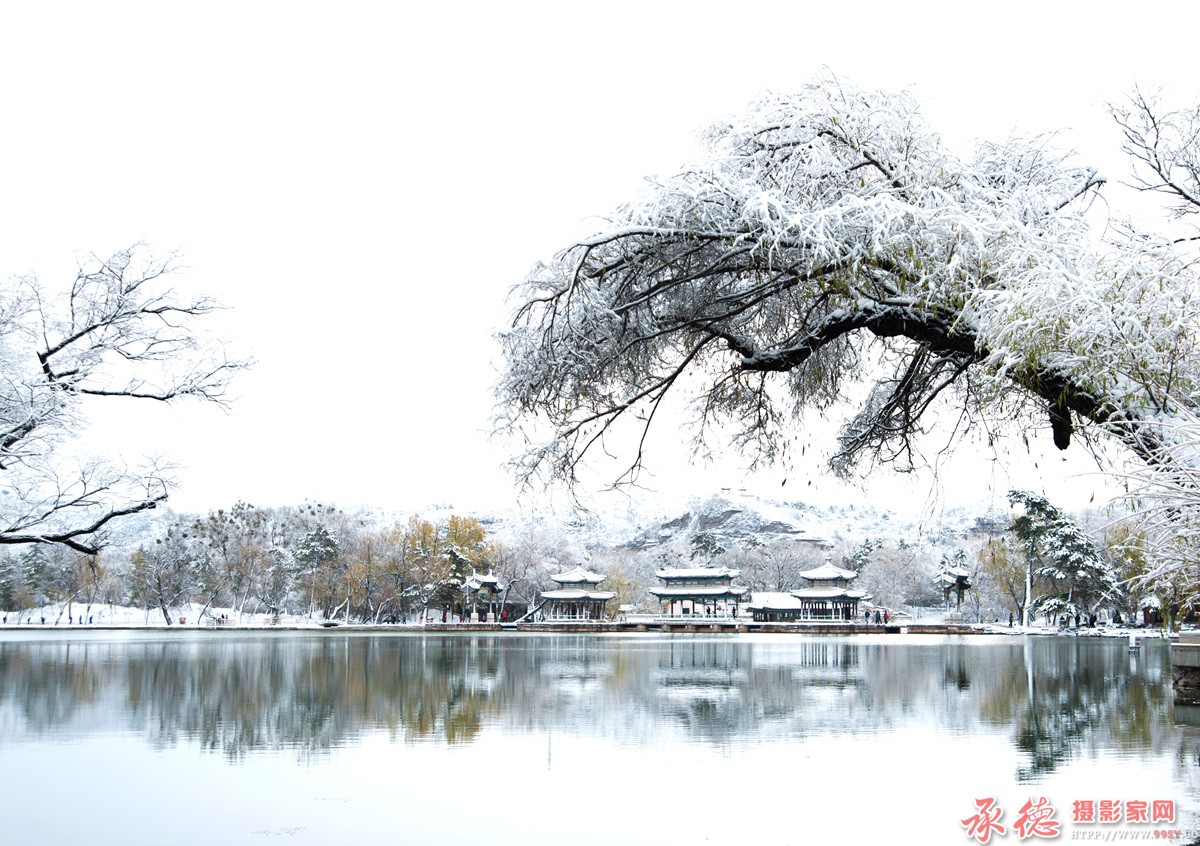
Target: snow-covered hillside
<point>736,519</point>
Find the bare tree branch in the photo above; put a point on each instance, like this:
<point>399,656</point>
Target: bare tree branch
<point>116,332</point>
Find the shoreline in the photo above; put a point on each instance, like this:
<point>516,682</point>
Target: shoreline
<point>658,626</point>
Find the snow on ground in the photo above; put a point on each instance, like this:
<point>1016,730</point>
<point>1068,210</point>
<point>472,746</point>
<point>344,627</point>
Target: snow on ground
<point>189,616</point>
<point>82,616</point>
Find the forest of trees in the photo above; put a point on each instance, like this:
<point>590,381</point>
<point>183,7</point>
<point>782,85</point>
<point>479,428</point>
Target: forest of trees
<point>320,563</point>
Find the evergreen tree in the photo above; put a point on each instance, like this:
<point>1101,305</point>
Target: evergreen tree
<point>861,557</point>
<point>34,566</point>
<point>8,583</point>
<point>1059,552</point>
<point>707,547</point>
<point>316,556</point>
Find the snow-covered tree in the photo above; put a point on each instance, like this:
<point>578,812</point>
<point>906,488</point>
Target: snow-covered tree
<point>239,543</point>
<point>465,551</point>
<point>829,232</point>
<point>442,558</point>
<point>1164,144</point>
<point>34,569</point>
<point>1075,578</point>
<point>317,555</point>
<point>9,582</point>
<point>1125,549</point>
<point>114,334</point>
<point>777,564</point>
<point>860,558</point>
<point>163,575</point>
<point>893,573</point>
<point>707,547</point>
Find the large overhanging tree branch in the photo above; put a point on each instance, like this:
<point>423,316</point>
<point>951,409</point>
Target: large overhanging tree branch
<point>1164,145</point>
<point>827,230</point>
<point>116,334</point>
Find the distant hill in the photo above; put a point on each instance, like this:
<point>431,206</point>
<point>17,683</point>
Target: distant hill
<point>734,518</point>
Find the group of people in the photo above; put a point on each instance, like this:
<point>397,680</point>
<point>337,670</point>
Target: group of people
<point>70,620</point>
<point>881,616</point>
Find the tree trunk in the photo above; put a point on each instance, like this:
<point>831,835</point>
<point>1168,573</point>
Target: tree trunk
<point>1028,594</point>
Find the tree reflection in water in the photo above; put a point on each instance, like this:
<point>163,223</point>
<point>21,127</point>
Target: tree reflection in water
<point>232,693</point>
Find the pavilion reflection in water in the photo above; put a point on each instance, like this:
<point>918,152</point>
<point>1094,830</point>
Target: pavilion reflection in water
<point>316,692</point>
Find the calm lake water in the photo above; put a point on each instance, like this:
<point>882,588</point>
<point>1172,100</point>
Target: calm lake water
<point>345,738</point>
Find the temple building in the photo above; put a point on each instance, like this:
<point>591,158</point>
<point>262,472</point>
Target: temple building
<point>577,598</point>
<point>703,591</point>
<point>828,597</point>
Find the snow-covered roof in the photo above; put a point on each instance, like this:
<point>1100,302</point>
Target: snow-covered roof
<point>828,571</point>
<point>577,576</point>
<point>697,590</point>
<point>697,573</point>
<point>490,581</point>
<point>773,601</point>
<point>576,593</point>
<point>828,593</point>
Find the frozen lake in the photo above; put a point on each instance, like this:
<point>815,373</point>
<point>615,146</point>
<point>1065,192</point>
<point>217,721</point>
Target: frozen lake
<point>341,738</point>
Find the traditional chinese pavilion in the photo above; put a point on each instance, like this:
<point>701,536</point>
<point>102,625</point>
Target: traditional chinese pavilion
<point>705,591</point>
<point>828,597</point>
<point>577,598</point>
<point>953,580</point>
<point>483,588</point>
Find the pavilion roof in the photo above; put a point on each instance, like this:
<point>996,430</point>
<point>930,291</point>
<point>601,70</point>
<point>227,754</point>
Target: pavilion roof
<point>578,576</point>
<point>828,571</point>
<point>828,593</point>
<point>697,573</point>
<point>953,577</point>
<point>698,590</point>
<point>579,594</point>
<point>773,600</point>
<point>491,580</point>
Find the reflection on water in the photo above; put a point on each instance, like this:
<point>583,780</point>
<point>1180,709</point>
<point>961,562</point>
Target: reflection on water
<point>1056,697</point>
<point>336,737</point>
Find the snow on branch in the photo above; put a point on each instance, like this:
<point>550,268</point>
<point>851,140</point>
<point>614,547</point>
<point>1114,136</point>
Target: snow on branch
<point>115,332</point>
<point>831,227</point>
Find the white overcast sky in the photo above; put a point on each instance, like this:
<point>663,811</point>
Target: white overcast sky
<point>362,183</point>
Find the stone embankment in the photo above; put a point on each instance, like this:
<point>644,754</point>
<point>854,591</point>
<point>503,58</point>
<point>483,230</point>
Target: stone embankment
<point>1185,668</point>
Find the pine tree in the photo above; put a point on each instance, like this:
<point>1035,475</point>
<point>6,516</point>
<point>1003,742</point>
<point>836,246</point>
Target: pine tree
<point>34,566</point>
<point>8,583</point>
<point>1060,553</point>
